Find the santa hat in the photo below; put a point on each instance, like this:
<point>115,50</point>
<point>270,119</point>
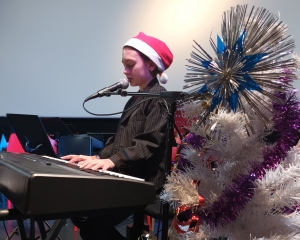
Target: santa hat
<point>154,49</point>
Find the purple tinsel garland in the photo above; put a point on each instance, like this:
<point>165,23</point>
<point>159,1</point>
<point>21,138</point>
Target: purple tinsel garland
<point>197,142</point>
<point>235,197</point>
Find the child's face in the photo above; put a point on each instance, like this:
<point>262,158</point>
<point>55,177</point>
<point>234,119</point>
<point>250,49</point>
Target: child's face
<point>136,69</point>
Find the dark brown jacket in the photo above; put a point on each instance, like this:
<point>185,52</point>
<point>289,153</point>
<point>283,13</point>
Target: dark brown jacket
<point>138,148</point>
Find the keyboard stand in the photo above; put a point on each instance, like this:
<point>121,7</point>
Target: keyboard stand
<point>14,214</point>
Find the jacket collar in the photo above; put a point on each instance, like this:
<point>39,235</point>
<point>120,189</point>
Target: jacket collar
<point>149,87</point>
<point>151,84</point>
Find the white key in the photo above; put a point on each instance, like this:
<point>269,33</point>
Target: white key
<point>121,175</point>
<point>107,172</point>
<point>58,159</point>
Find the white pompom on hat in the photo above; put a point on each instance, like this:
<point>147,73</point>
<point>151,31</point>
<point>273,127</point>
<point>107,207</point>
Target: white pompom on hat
<point>154,49</point>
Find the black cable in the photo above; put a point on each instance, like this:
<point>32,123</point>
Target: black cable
<point>6,230</point>
<point>109,114</point>
<point>158,224</point>
<point>177,129</point>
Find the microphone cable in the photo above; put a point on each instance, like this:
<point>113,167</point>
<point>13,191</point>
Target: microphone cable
<point>133,106</point>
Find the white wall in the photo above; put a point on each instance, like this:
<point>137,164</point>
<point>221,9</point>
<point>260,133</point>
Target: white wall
<point>53,54</point>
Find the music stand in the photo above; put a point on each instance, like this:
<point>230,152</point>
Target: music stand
<point>31,134</point>
<point>55,127</point>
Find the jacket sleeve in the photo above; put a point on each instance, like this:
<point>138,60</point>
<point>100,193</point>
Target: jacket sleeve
<point>149,137</point>
<point>107,151</point>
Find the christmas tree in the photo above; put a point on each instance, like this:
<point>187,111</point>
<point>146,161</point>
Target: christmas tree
<point>238,171</point>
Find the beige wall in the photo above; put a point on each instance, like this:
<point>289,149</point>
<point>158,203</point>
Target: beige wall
<point>53,54</point>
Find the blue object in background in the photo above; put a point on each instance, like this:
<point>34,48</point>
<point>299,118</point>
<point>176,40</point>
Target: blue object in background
<point>3,143</point>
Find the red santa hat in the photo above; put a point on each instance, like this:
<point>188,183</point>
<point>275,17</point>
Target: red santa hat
<point>154,49</point>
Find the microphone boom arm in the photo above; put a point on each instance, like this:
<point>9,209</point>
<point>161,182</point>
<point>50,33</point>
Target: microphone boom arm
<point>171,95</point>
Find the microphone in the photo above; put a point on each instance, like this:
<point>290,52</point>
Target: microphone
<point>123,83</point>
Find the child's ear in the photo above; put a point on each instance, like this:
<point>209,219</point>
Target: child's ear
<point>151,66</point>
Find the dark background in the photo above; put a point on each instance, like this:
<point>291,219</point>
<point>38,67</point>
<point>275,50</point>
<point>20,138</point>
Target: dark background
<point>80,125</point>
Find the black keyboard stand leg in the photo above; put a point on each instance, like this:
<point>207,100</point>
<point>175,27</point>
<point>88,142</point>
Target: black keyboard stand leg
<point>32,229</point>
<point>14,231</point>
<point>21,229</point>
<point>55,229</point>
<point>137,228</point>
<point>42,229</point>
<point>165,220</point>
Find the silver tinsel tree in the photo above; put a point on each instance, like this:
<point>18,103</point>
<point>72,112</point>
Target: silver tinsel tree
<point>238,174</point>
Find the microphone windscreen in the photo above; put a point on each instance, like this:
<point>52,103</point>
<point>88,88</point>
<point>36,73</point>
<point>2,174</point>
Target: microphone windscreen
<point>124,82</point>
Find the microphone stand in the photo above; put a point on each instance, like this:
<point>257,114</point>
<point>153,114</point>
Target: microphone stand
<point>169,97</point>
